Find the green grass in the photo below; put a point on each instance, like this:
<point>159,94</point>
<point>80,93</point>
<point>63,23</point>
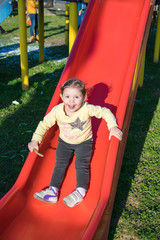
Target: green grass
<point>137,205</point>
<point>136,210</point>
<point>17,122</point>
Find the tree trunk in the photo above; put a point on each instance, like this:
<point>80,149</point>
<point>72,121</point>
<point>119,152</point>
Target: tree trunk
<point>51,3</point>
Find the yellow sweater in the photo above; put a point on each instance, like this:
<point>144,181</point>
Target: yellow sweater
<point>76,128</point>
<point>32,6</point>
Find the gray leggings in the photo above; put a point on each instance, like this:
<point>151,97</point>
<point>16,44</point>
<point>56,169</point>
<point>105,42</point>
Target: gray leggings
<point>64,153</point>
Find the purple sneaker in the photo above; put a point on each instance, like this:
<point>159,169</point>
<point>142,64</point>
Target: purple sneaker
<point>47,195</point>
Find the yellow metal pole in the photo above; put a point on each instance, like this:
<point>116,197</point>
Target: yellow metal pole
<point>23,44</point>
<point>135,75</point>
<point>73,23</point>
<point>157,40</point>
<point>142,70</point>
<point>67,24</point>
<point>41,31</point>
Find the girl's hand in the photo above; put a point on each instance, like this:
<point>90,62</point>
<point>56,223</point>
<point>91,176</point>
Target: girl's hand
<point>115,131</point>
<point>33,145</point>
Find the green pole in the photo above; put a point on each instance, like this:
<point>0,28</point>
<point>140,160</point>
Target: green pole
<point>41,31</point>
<point>157,40</point>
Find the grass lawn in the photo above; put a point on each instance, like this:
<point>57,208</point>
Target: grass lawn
<point>136,210</point>
<point>17,122</point>
<point>136,213</point>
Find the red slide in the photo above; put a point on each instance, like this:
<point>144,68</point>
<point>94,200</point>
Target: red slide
<point>104,56</point>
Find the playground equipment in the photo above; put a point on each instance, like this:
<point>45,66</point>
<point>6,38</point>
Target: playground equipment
<point>67,23</point>
<point>23,40</point>
<point>5,10</point>
<point>157,40</point>
<point>107,55</point>
<point>41,31</point>
<point>73,21</point>
<point>23,45</point>
<point>71,25</point>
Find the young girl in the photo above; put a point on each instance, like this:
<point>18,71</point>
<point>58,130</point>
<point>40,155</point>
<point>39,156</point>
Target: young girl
<point>73,117</point>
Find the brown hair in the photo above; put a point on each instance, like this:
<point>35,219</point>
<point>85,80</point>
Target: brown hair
<point>75,83</point>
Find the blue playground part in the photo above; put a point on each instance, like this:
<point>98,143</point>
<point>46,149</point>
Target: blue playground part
<point>5,9</point>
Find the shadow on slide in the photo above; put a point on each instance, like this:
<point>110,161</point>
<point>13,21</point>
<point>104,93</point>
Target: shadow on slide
<point>112,36</point>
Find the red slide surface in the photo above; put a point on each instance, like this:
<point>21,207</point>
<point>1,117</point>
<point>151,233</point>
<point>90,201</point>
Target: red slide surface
<point>104,56</point>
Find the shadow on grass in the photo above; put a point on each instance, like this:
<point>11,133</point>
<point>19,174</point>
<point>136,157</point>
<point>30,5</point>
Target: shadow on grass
<point>146,103</point>
<point>12,30</point>
<point>17,129</point>
<point>54,32</point>
<point>11,73</point>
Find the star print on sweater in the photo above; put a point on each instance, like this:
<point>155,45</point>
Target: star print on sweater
<point>77,124</point>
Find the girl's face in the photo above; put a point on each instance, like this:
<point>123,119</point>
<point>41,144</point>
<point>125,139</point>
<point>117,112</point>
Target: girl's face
<point>73,99</point>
